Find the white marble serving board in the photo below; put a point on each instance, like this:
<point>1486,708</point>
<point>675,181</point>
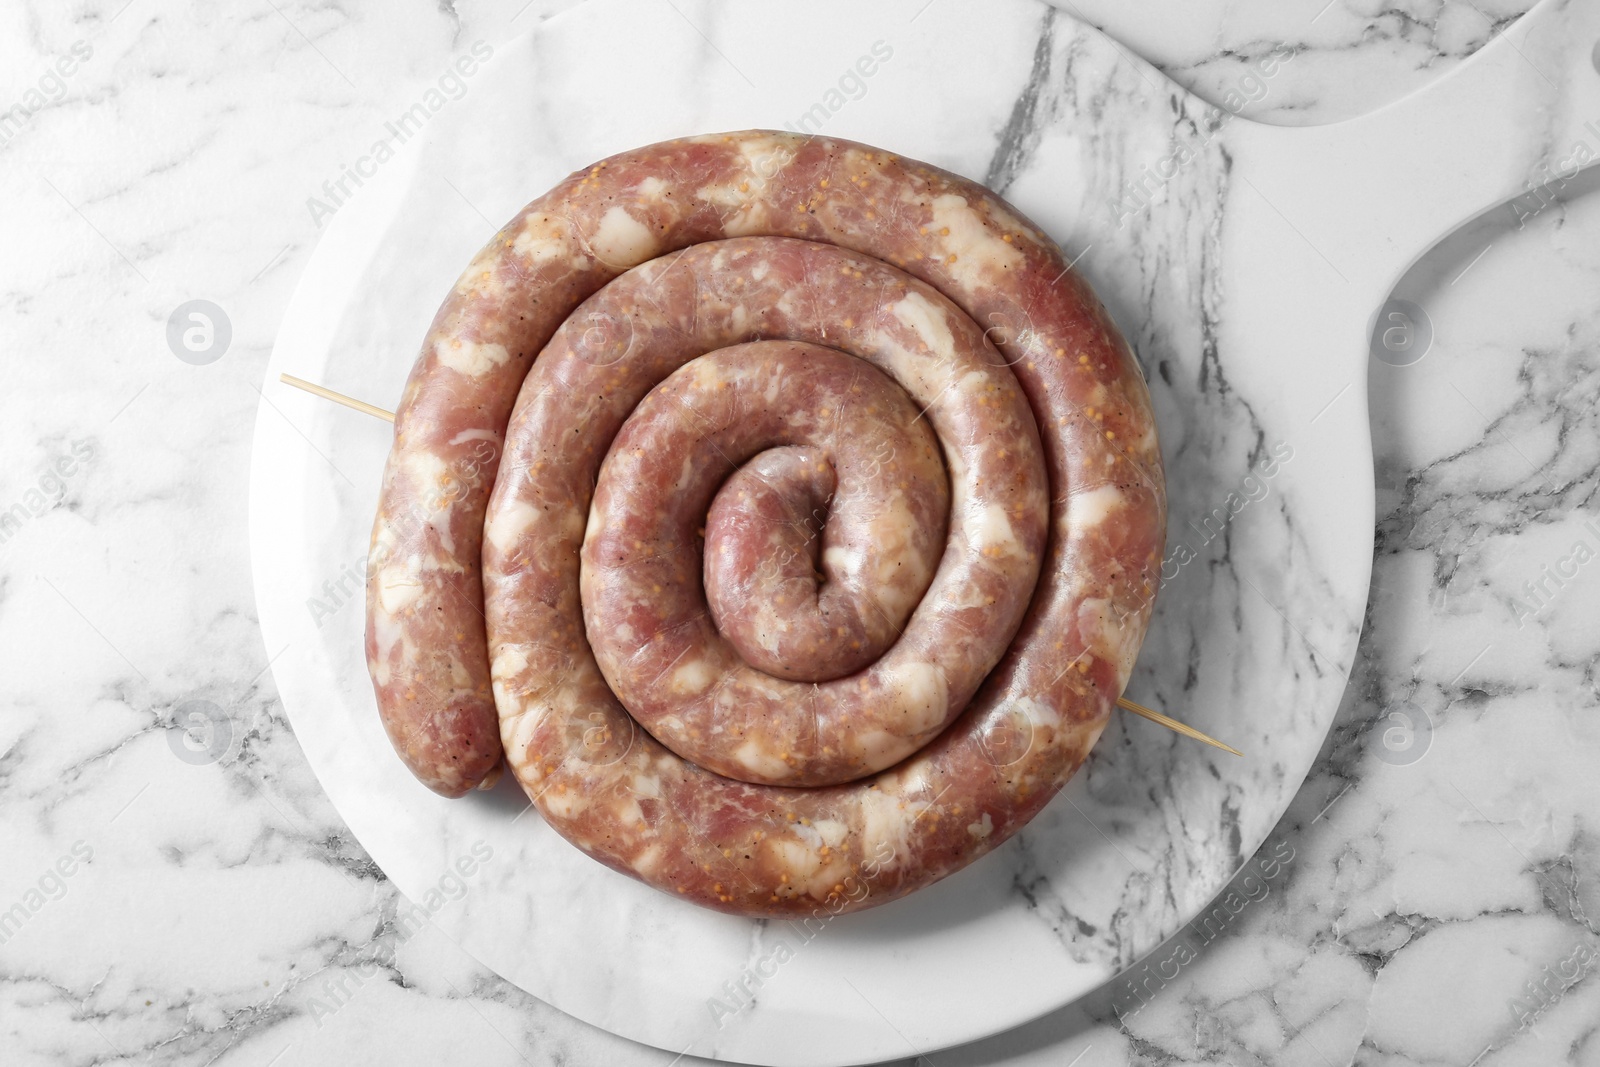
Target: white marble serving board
<point>1246,285</point>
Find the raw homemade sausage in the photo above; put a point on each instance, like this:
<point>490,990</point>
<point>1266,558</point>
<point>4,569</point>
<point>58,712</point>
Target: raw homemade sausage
<point>1012,652</point>
<point>659,648</point>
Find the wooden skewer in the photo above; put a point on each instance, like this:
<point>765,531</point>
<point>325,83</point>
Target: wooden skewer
<point>1173,724</point>
<point>338,398</point>
<point>379,413</point>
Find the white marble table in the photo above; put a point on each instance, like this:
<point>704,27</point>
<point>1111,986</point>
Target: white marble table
<point>182,906</point>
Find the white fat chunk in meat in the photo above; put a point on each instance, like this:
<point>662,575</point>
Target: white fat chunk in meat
<point>885,823</point>
<point>1113,639</point>
<point>927,320</point>
<point>509,525</point>
<point>922,694</point>
<point>992,532</point>
<point>692,678</point>
<point>399,587</point>
<point>509,661</point>
<point>980,252</point>
<point>622,240</point>
<point>648,861</point>
<point>766,157</point>
<point>541,240</point>
<point>470,357</point>
<point>758,759</point>
<point>1091,507</point>
<point>564,804</point>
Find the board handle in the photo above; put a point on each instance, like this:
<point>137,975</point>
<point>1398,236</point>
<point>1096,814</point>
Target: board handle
<point>1508,129</point>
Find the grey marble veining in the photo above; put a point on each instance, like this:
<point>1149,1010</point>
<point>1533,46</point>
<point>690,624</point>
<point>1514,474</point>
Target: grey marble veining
<point>1358,55</point>
<point>227,915</point>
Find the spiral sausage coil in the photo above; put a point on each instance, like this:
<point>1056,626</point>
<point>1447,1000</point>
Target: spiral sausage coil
<point>787,513</point>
